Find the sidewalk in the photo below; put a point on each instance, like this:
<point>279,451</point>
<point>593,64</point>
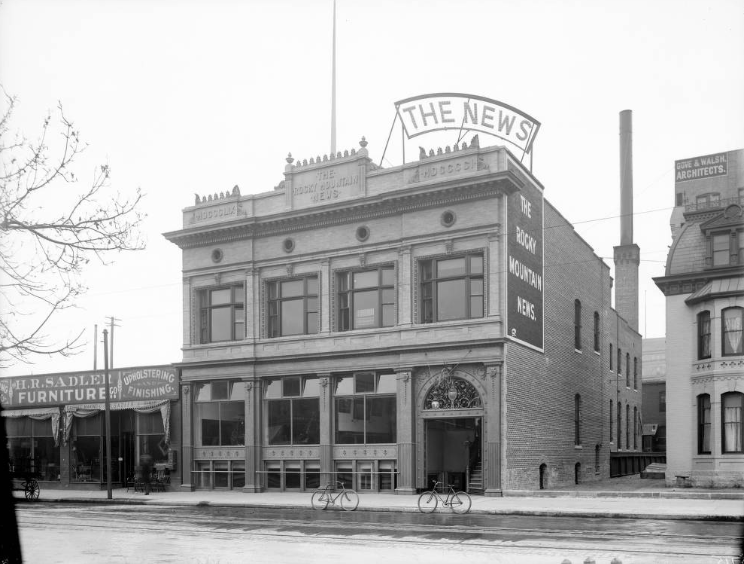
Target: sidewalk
<point>616,498</point>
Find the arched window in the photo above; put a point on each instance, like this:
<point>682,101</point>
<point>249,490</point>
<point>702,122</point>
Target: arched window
<point>635,372</point>
<point>732,404</point>
<point>627,426</point>
<point>610,357</point>
<point>635,428</point>
<point>596,331</point>
<point>703,423</point>
<point>703,323</point>
<point>627,370</point>
<point>731,327</point>
<point>611,421</point>
<point>619,426</point>
<point>577,325</point>
<point>577,419</point>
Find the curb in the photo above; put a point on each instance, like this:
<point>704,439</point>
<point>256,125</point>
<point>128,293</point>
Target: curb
<point>501,512</point>
<point>611,494</point>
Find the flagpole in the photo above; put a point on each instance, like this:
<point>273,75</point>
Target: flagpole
<point>333,86</point>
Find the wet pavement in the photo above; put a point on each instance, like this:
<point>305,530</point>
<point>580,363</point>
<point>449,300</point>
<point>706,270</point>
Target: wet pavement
<point>630,497</point>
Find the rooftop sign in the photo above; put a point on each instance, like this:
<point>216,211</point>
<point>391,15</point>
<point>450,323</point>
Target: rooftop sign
<point>466,112</point>
<point>700,167</point>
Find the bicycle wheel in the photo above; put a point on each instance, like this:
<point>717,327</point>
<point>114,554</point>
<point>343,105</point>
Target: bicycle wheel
<point>32,490</point>
<point>319,500</point>
<point>461,502</point>
<point>427,502</point>
<point>349,500</point>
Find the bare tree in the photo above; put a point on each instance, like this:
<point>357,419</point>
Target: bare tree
<point>52,223</point>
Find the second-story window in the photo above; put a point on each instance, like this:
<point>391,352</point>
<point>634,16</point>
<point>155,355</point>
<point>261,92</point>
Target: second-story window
<point>627,370</point>
<point>731,322</point>
<point>596,331</point>
<point>293,307</point>
<point>703,320</point>
<point>222,314</point>
<point>635,372</point>
<point>366,298</point>
<point>577,325</point>
<point>452,288</point>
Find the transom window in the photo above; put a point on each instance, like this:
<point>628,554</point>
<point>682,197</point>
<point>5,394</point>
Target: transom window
<point>293,407</point>
<point>365,408</point>
<point>366,298</point>
<point>222,314</point>
<point>293,307</point>
<point>452,288</point>
<point>731,321</point>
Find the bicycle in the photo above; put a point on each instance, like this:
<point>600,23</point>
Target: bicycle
<point>460,502</point>
<point>325,496</point>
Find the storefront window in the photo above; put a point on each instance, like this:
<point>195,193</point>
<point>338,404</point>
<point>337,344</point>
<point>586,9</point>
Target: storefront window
<point>219,413</point>
<point>31,445</point>
<point>85,457</point>
<point>293,410</point>
<point>365,410</point>
<point>152,437</point>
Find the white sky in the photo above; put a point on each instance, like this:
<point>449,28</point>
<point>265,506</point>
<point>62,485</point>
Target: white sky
<point>184,97</point>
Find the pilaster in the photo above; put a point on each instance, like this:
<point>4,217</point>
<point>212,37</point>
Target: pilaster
<point>406,433</point>
<point>405,280</point>
<point>326,429</point>
<point>187,440</point>
<point>493,443</point>
<point>253,458</point>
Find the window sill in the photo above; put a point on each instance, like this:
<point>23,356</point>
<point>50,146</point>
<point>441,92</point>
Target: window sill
<point>578,351</point>
<point>578,447</point>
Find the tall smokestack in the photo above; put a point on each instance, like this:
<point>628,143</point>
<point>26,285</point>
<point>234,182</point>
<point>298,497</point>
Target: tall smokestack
<point>626,177</point>
<point>627,254</point>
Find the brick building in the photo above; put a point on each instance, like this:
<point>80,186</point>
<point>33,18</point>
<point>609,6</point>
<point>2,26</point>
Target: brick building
<point>439,319</point>
<point>654,395</point>
<point>704,290</point>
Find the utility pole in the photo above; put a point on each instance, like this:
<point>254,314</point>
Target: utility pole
<point>95,347</point>
<point>108,411</point>
<point>112,324</point>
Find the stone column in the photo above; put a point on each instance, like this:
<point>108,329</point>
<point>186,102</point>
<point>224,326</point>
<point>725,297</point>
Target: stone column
<point>187,440</point>
<point>405,285</point>
<point>253,437</point>
<point>406,425</point>
<point>326,428</point>
<point>492,446</point>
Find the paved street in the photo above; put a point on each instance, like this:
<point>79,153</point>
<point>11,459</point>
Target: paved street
<point>113,532</point>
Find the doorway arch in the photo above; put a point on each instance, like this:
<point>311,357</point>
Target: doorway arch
<point>450,429</point>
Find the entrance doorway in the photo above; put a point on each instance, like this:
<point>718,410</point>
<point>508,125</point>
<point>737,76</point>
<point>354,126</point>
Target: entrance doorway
<point>453,451</point>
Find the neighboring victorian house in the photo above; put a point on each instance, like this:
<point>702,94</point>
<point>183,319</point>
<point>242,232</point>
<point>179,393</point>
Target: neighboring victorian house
<point>704,289</point>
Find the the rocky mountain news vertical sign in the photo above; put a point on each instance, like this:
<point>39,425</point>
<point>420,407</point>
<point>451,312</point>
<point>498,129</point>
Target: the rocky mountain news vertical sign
<point>525,288</point>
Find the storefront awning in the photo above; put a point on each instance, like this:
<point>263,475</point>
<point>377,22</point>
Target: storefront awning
<point>650,429</point>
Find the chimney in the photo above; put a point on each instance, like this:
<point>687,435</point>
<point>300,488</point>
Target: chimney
<point>627,254</point>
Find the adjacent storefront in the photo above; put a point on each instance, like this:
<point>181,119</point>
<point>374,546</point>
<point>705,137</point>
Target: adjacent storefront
<point>56,423</point>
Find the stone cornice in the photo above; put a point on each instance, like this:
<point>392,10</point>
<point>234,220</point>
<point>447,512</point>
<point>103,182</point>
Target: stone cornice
<point>364,209</point>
